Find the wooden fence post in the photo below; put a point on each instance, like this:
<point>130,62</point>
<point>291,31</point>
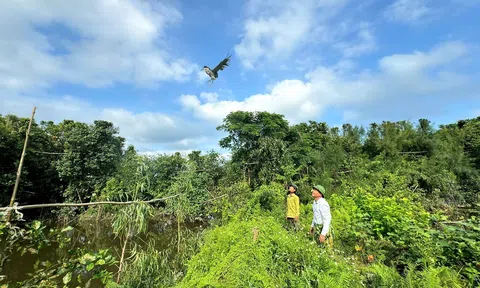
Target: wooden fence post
<point>19,171</point>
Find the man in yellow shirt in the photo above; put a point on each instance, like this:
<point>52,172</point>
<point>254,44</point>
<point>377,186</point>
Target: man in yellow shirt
<point>293,207</point>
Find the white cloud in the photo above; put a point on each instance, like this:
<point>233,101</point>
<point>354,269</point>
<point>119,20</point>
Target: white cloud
<point>419,61</point>
<point>274,36</point>
<point>286,94</point>
<point>94,43</point>
<point>202,77</point>
<point>365,42</point>
<point>274,30</point>
<point>209,97</point>
<point>145,130</point>
<point>398,78</point>
<point>48,108</point>
<point>408,11</point>
<point>150,128</point>
<point>189,101</point>
<point>412,12</point>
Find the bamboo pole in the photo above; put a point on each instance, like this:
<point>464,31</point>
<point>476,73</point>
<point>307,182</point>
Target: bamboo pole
<point>95,203</point>
<point>19,171</point>
<point>82,204</point>
<point>121,257</point>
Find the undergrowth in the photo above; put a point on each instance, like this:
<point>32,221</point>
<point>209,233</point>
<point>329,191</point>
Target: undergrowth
<point>255,250</point>
<point>234,255</point>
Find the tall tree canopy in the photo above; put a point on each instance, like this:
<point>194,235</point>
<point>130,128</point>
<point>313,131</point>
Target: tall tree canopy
<point>256,140</point>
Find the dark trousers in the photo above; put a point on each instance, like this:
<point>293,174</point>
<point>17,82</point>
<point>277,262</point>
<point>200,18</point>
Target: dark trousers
<point>292,224</point>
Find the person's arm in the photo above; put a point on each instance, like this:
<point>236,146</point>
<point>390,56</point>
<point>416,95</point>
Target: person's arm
<point>326,217</point>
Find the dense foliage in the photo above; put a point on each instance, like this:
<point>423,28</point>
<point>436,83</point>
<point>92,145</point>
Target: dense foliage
<point>404,199</point>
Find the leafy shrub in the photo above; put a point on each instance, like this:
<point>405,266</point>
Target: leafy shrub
<point>378,275</point>
<point>460,242</point>
<point>394,229</point>
<point>270,198</point>
<point>232,199</point>
<point>236,256</point>
<point>75,266</point>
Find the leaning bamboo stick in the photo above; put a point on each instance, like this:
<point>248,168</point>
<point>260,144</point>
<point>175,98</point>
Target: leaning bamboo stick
<point>82,204</point>
<point>94,203</point>
<point>19,172</point>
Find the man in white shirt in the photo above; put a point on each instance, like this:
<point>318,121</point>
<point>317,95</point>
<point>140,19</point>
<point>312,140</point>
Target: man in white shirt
<point>321,214</point>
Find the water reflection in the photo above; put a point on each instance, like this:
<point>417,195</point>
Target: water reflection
<point>95,234</point>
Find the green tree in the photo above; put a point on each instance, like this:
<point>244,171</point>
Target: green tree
<point>472,140</point>
<point>304,143</point>
<point>92,154</point>
<point>245,133</point>
<point>165,168</point>
<point>39,180</point>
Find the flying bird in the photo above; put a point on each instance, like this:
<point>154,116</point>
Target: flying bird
<point>213,73</point>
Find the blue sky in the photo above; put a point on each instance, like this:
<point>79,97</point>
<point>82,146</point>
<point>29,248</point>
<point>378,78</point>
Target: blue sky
<point>138,63</point>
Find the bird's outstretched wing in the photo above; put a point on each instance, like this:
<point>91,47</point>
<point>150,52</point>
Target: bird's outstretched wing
<point>222,64</point>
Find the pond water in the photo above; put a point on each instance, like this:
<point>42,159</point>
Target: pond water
<point>95,235</point>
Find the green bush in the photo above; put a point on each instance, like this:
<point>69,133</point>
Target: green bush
<point>460,242</point>
<point>378,275</point>
<point>233,256</point>
<point>270,198</point>
<point>395,229</point>
<point>233,198</point>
